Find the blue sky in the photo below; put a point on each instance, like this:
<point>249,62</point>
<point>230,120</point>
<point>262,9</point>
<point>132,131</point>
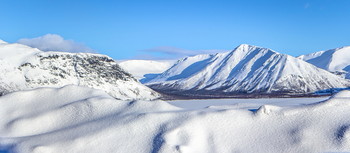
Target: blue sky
<point>138,28</point>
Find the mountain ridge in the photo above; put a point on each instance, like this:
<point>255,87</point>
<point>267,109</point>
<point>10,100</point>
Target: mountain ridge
<point>25,68</point>
<point>334,60</point>
<point>247,69</point>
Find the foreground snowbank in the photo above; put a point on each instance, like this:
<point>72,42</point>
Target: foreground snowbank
<point>78,119</point>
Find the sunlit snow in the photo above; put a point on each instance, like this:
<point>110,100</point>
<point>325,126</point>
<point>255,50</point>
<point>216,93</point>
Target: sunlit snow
<point>83,120</point>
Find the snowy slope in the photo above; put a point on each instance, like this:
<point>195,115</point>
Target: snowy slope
<point>138,68</point>
<point>334,60</point>
<point>2,42</point>
<point>23,67</point>
<point>83,120</point>
<point>246,69</point>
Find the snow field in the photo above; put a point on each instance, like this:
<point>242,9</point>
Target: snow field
<point>80,119</point>
<point>138,68</point>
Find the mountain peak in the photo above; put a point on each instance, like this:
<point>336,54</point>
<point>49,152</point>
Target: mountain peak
<point>246,46</point>
<point>334,60</point>
<point>245,49</point>
<point>341,48</point>
<point>247,69</point>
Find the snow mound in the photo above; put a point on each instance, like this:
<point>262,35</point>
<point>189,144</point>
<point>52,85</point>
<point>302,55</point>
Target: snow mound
<point>83,120</point>
<point>267,110</point>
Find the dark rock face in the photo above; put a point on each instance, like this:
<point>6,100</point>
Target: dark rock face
<point>83,67</point>
<point>90,70</point>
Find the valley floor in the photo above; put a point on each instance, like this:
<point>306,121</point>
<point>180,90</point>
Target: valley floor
<point>75,119</point>
<point>245,103</point>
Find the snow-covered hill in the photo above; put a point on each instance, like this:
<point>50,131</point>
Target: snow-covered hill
<point>334,60</point>
<point>76,119</point>
<point>2,42</point>
<point>246,69</point>
<point>23,67</point>
<point>138,68</point>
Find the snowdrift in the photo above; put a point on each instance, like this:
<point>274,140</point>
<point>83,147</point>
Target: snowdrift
<point>83,120</point>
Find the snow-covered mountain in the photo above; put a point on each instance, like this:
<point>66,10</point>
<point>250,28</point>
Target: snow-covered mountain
<point>246,69</point>
<point>138,68</point>
<point>23,67</point>
<point>334,60</point>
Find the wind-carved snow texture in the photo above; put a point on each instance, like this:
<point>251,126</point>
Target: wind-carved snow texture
<point>84,120</point>
<point>336,60</point>
<point>23,68</point>
<point>246,69</point>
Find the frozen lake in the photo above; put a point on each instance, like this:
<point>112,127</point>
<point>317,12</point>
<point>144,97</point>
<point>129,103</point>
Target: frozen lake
<point>244,103</point>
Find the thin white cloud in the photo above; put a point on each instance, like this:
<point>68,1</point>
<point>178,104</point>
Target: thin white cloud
<point>173,52</point>
<point>306,5</point>
<point>54,42</point>
<point>169,50</point>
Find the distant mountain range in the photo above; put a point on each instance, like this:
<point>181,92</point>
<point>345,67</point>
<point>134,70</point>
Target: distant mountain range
<point>23,67</point>
<point>336,60</point>
<point>246,71</point>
